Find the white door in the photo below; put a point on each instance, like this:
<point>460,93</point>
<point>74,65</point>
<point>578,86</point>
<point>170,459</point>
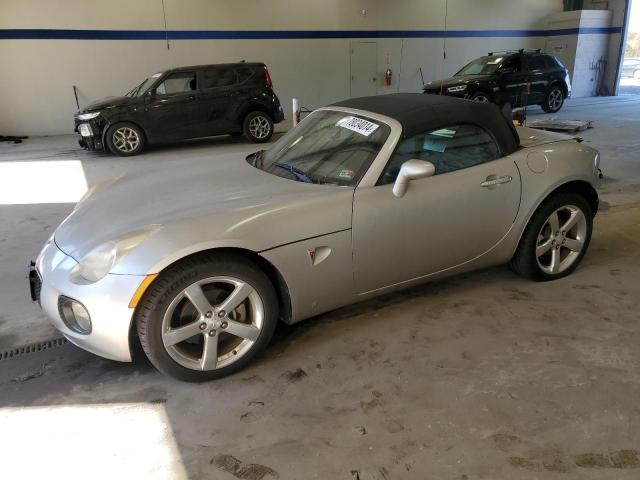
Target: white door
<point>364,67</point>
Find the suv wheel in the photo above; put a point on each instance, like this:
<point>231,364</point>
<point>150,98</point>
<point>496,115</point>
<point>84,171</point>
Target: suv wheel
<point>480,97</point>
<point>257,127</point>
<point>125,139</point>
<point>554,99</point>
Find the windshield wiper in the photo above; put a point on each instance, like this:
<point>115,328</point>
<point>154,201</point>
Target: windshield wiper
<point>299,174</point>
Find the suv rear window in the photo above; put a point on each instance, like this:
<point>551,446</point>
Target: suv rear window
<point>219,77</point>
<point>536,62</point>
<point>245,73</point>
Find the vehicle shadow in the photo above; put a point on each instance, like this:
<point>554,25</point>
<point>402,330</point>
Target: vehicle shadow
<point>196,144</point>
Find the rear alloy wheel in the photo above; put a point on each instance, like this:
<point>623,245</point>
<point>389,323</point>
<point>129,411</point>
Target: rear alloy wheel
<point>207,319</point>
<point>556,238</point>
<point>125,139</point>
<point>480,97</point>
<point>554,100</point>
<point>258,127</point>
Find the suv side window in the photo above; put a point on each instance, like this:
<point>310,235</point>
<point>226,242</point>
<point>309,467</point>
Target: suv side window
<point>514,62</point>
<point>536,63</point>
<point>177,83</point>
<point>218,77</point>
<point>449,149</point>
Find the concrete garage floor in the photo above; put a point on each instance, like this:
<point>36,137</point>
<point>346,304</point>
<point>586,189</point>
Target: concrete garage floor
<point>482,376</point>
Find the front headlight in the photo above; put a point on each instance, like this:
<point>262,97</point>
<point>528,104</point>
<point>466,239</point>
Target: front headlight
<point>88,116</point>
<point>96,264</point>
<point>457,88</point>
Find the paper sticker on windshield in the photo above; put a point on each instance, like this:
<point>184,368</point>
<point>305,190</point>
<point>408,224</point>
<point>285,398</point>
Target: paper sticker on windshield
<point>358,125</point>
<point>444,132</point>
<point>346,174</point>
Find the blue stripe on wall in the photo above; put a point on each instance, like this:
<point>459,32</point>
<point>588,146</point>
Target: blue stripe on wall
<point>52,34</point>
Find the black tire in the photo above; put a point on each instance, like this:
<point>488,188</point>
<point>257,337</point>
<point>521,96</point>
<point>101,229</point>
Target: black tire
<point>125,139</point>
<point>263,132</point>
<point>170,284</point>
<point>525,262</point>
<point>553,100</point>
<point>481,97</point>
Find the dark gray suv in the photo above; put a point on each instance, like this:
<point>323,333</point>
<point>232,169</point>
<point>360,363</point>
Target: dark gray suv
<point>181,103</point>
<point>520,78</point>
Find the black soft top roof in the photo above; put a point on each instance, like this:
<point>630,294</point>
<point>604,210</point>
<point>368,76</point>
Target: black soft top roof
<point>234,64</point>
<point>419,112</point>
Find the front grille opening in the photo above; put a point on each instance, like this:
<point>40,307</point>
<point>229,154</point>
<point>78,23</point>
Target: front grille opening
<point>32,348</point>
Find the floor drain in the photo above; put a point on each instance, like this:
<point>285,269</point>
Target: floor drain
<point>32,348</point>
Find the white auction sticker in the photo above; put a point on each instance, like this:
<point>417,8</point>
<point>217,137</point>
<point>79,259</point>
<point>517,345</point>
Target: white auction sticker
<point>358,125</point>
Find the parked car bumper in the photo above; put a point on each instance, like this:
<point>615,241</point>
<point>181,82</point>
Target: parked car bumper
<point>444,91</point>
<point>278,114</point>
<point>106,301</point>
<point>90,133</point>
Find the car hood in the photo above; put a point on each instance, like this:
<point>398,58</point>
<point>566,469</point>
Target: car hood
<point>453,81</point>
<point>226,203</point>
<point>108,102</point>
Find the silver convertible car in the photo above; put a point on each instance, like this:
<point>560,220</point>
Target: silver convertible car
<point>361,198</point>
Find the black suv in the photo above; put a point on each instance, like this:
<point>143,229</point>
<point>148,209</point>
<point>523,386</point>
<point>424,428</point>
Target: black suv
<point>186,102</point>
<point>518,78</point>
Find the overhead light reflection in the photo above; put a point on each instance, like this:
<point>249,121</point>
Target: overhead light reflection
<point>31,182</point>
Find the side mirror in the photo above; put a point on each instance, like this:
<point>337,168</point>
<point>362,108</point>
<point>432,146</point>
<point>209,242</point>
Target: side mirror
<point>152,93</point>
<point>507,70</point>
<point>411,170</point>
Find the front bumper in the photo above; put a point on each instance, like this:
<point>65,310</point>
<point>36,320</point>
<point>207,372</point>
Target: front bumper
<point>278,114</point>
<point>90,133</point>
<point>462,94</point>
<point>106,300</point>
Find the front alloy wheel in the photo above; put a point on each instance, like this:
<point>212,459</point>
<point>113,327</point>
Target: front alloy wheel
<point>212,323</point>
<point>480,97</point>
<point>207,317</point>
<point>125,139</point>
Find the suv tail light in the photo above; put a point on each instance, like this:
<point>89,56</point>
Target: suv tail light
<point>267,77</point>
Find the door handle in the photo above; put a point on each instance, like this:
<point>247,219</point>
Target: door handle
<point>493,181</point>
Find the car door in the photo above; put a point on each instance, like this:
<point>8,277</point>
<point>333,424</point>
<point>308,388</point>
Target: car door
<point>538,73</point>
<point>513,81</point>
<point>219,94</point>
<point>172,109</point>
<point>448,219</point>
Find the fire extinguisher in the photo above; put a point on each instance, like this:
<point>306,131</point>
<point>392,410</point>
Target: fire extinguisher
<point>387,77</point>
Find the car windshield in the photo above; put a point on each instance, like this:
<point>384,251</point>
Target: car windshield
<point>144,86</point>
<point>329,147</point>
<point>482,66</point>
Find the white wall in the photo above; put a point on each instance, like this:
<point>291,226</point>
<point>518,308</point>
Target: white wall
<point>36,76</point>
